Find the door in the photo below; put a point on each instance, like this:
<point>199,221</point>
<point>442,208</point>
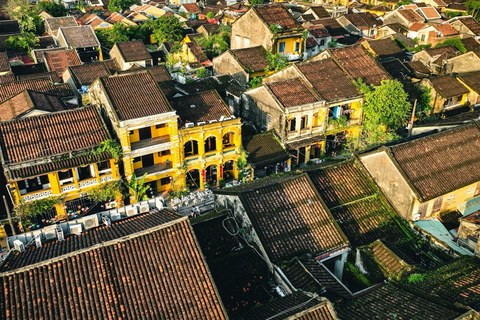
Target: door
<point>145,133</point>
<point>147,160</point>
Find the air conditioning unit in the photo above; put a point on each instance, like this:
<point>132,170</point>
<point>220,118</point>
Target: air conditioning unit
<point>159,203</point>
<point>90,221</point>
<point>59,231</point>
<point>115,216</point>
<point>111,205</point>
<point>19,246</point>
<point>76,229</point>
<point>144,208</point>
<point>107,221</point>
<point>38,241</point>
<point>201,123</point>
<point>131,211</point>
<point>50,232</point>
<point>189,125</point>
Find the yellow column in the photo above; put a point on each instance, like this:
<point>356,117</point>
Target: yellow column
<point>61,212</point>
<point>115,171</point>
<point>307,153</point>
<point>16,192</point>
<point>97,175</point>
<point>75,178</point>
<point>219,143</point>
<point>54,183</point>
<point>201,147</point>
<point>202,183</point>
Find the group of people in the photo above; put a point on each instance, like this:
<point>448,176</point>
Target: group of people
<point>195,212</point>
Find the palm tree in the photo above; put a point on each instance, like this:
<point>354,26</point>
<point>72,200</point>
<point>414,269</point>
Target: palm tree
<point>138,189</point>
<point>214,45</point>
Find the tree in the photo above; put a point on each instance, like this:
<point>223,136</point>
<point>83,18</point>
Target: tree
<point>403,3</point>
<point>454,42</point>
<point>120,5</point>
<point>214,45</point>
<point>14,8</point>
<point>53,8</point>
<point>201,72</point>
<point>255,2</point>
<point>24,43</point>
<point>242,163</point>
<point>256,82</point>
<point>137,188</point>
<point>385,104</point>
<point>120,33</point>
<point>165,28</point>
<point>210,15</point>
<point>105,192</point>
<point>474,7</point>
<point>275,62</point>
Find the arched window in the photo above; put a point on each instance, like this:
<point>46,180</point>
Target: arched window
<point>210,144</point>
<point>304,122</point>
<point>228,140</point>
<point>292,124</point>
<point>190,148</point>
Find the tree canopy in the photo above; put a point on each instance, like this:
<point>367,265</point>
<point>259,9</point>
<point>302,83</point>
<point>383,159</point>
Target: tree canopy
<point>120,33</point>
<point>24,43</point>
<point>119,5</point>
<point>165,28</point>
<point>53,8</point>
<point>473,7</point>
<point>214,45</point>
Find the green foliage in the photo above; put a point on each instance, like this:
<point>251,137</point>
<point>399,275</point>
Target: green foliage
<point>33,208</point>
<point>26,15</point>
<point>332,44</point>
<point>137,188</point>
<point>120,33</point>
<point>340,122</point>
<point>242,163</point>
<point>24,43</point>
<point>358,274</point>
<point>416,278</point>
<point>119,5</point>
<point>454,42</point>
<point>403,3</point>
<point>473,7</point>
<point>304,34</point>
<point>424,109</point>
<point>255,82</point>
<point>275,62</point>
<point>453,14</point>
<point>386,104</point>
<point>165,28</point>
<point>53,8</point>
<point>214,45</point>
<point>275,29</point>
<point>255,2</point>
<point>111,146</point>
<point>210,15</point>
<point>105,192</point>
<point>201,72</point>
<point>222,183</point>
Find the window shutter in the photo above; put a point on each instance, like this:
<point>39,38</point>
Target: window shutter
<point>437,205</point>
<point>422,210</point>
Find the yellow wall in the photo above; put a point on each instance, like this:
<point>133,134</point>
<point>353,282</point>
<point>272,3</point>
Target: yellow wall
<point>289,44</point>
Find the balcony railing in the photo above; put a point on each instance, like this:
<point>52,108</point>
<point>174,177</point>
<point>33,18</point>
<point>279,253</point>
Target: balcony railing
<point>153,169</point>
<point>87,183</point>
<point>37,195</point>
<point>292,134</point>
<point>150,142</point>
<point>68,187</point>
<point>316,129</point>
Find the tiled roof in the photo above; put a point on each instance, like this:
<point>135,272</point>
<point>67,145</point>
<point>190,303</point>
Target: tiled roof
<point>450,219</point>
<point>308,17</point>
<point>57,23</point>
<point>208,106</point>
<point>448,51</point>
<point>350,194</point>
<point>471,24</point>
<point>417,26</point>
<point>80,36</point>
<point>448,86</point>
<point>50,134</point>
<point>293,92</point>
<point>328,79</point>
<point>210,28</point>
<point>53,76</point>
<point>86,18</point>
<point>445,29</point>
<point>39,52</point>
<point>43,85</point>
<point>311,42</point>
<point>197,51</point>
<point>222,83</point>
<point>25,101</point>
<point>297,306</point>
<point>7,77</point>
<point>385,47</point>
<point>358,64</point>
<point>253,58</point>
<point>318,31</point>
<point>58,61</point>
<point>135,95</point>
<point>320,12</point>
<point>472,80</point>
<point>290,219</point>
<point>277,14</point>
<point>363,20</point>
<point>264,148</point>
<point>471,44</point>
<point>457,7</point>
<point>380,8</point>
<point>312,276</point>
<point>473,217</point>
<point>191,7</point>
<point>458,281</point>
<point>429,13</point>
<point>410,15</point>
<point>155,273</point>
<point>133,51</point>
<point>9,27</point>
<point>391,301</point>
<point>441,163</point>
<point>4,62</point>
<point>86,74</point>
<point>334,28</point>
<point>387,259</point>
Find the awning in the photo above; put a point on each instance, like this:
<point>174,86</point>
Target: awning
<point>305,142</point>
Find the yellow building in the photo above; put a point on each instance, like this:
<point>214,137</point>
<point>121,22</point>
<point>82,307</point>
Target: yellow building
<point>447,92</point>
<point>53,155</point>
<point>435,174</point>
<point>210,139</point>
<point>145,124</point>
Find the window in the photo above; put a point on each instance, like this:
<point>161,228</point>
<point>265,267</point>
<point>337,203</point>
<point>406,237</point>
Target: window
<point>164,153</point>
<point>85,173</point>
<point>293,124</point>
<point>437,205</point>
<point>423,37</point>
<point>304,122</point>
<point>137,159</point>
<point>477,191</point>
<point>238,41</point>
<point>160,126</point>
<point>190,148</point>
<point>34,184</point>
<point>165,181</point>
<point>228,140</point>
<point>104,167</point>
<point>281,47</point>
<point>65,177</point>
<point>269,121</point>
<point>322,42</point>
<point>297,46</point>
<point>246,42</point>
<point>210,144</point>
<point>422,210</point>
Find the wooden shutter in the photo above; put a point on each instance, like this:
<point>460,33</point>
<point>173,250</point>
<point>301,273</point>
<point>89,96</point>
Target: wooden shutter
<point>437,205</point>
<point>422,210</point>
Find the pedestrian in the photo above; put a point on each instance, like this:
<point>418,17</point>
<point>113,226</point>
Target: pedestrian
<point>192,214</point>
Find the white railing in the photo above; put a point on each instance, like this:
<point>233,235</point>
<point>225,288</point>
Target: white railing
<point>87,183</point>
<point>38,195</point>
<point>106,178</point>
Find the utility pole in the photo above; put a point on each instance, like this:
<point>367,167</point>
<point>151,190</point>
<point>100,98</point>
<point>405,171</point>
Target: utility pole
<point>9,217</point>
<point>412,118</point>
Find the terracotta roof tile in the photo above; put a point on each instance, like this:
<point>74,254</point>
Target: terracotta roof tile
<point>9,27</point>
<point>51,134</point>
<point>358,64</point>
<point>156,273</point>
<point>471,44</point>
<point>318,31</point>
<point>311,42</point>
<point>53,75</point>
<point>290,219</point>
<point>471,24</point>
<point>39,52</point>
<point>7,77</point>
<point>417,26</point>
<point>58,61</point>
<point>264,148</point>
<point>4,62</point>
<point>159,73</point>
<point>278,15</point>
<point>320,12</point>
<point>191,7</point>
<point>328,79</point>
<point>385,47</point>
<point>334,28</point>
<point>441,163</point>
<point>86,18</point>
<point>43,85</point>
<point>254,58</point>
<point>308,17</point>
<point>410,15</point>
<point>57,23</point>
<point>472,80</point>
<point>429,13</point>
<point>197,51</point>
<point>25,101</point>
<point>448,86</point>
<point>208,106</point>
<point>80,36</point>
<point>135,95</point>
<point>445,29</point>
<point>133,51</point>
<point>363,20</point>
<point>293,92</point>
<point>86,74</point>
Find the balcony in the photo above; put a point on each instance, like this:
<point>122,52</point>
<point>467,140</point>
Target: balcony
<point>37,195</point>
<point>153,169</point>
<point>68,187</point>
<point>150,142</point>
<point>317,129</point>
<point>292,134</point>
<point>291,56</point>
<point>87,183</point>
<point>304,131</point>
